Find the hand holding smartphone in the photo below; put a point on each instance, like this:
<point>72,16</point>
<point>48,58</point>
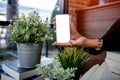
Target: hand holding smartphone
<point>62,28</point>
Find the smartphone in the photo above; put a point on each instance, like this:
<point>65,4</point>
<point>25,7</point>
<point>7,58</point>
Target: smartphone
<point>62,28</point>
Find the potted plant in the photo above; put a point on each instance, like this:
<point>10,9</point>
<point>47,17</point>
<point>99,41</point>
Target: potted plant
<point>73,57</point>
<point>29,32</point>
<point>66,66</point>
<point>55,71</point>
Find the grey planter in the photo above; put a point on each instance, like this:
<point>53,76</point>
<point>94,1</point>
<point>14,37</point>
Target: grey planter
<point>29,54</point>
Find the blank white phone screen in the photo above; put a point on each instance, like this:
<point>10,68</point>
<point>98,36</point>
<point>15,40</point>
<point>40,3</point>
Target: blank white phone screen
<point>62,28</point>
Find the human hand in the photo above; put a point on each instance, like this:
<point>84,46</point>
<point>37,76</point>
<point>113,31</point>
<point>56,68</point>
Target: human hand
<point>72,43</point>
<point>73,30</point>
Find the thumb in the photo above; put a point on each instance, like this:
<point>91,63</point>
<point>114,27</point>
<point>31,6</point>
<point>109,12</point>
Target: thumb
<point>72,42</point>
<point>54,43</point>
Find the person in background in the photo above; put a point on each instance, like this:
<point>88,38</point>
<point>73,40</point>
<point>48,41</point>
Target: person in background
<point>109,42</point>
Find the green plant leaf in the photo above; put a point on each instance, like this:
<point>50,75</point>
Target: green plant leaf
<point>72,57</point>
<point>29,29</point>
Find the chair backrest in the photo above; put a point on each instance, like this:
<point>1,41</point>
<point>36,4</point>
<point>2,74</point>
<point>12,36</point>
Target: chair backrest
<point>93,22</point>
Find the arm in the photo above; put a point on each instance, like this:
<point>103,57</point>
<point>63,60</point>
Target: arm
<point>110,41</point>
<point>109,44</point>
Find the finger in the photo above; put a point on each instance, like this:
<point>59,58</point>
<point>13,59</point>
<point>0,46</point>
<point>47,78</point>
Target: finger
<point>54,25</point>
<point>71,26</point>
<point>54,22</point>
<point>54,43</point>
<point>72,42</point>
<point>67,44</point>
<point>72,36</point>
<point>70,18</point>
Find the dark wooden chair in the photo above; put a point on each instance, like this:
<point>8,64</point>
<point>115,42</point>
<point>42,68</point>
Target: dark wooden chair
<point>94,22</point>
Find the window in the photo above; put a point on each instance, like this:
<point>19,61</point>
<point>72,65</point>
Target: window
<point>43,7</point>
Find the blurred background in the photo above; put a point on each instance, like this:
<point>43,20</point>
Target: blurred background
<point>47,9</point>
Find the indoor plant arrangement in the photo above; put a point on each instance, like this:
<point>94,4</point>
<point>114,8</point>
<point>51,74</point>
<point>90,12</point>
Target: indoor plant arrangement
<point>67,65</point>
<point>55,71</point>
<point>73,57</point>
<point>29,32</point>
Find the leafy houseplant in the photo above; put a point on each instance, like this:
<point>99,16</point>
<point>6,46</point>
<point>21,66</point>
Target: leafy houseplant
<point>29,32</point>
<point>56,71</point>
<point>31,29</point>
<point>73,57</point>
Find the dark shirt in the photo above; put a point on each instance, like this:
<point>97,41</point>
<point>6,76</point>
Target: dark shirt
<point>111,40</point>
